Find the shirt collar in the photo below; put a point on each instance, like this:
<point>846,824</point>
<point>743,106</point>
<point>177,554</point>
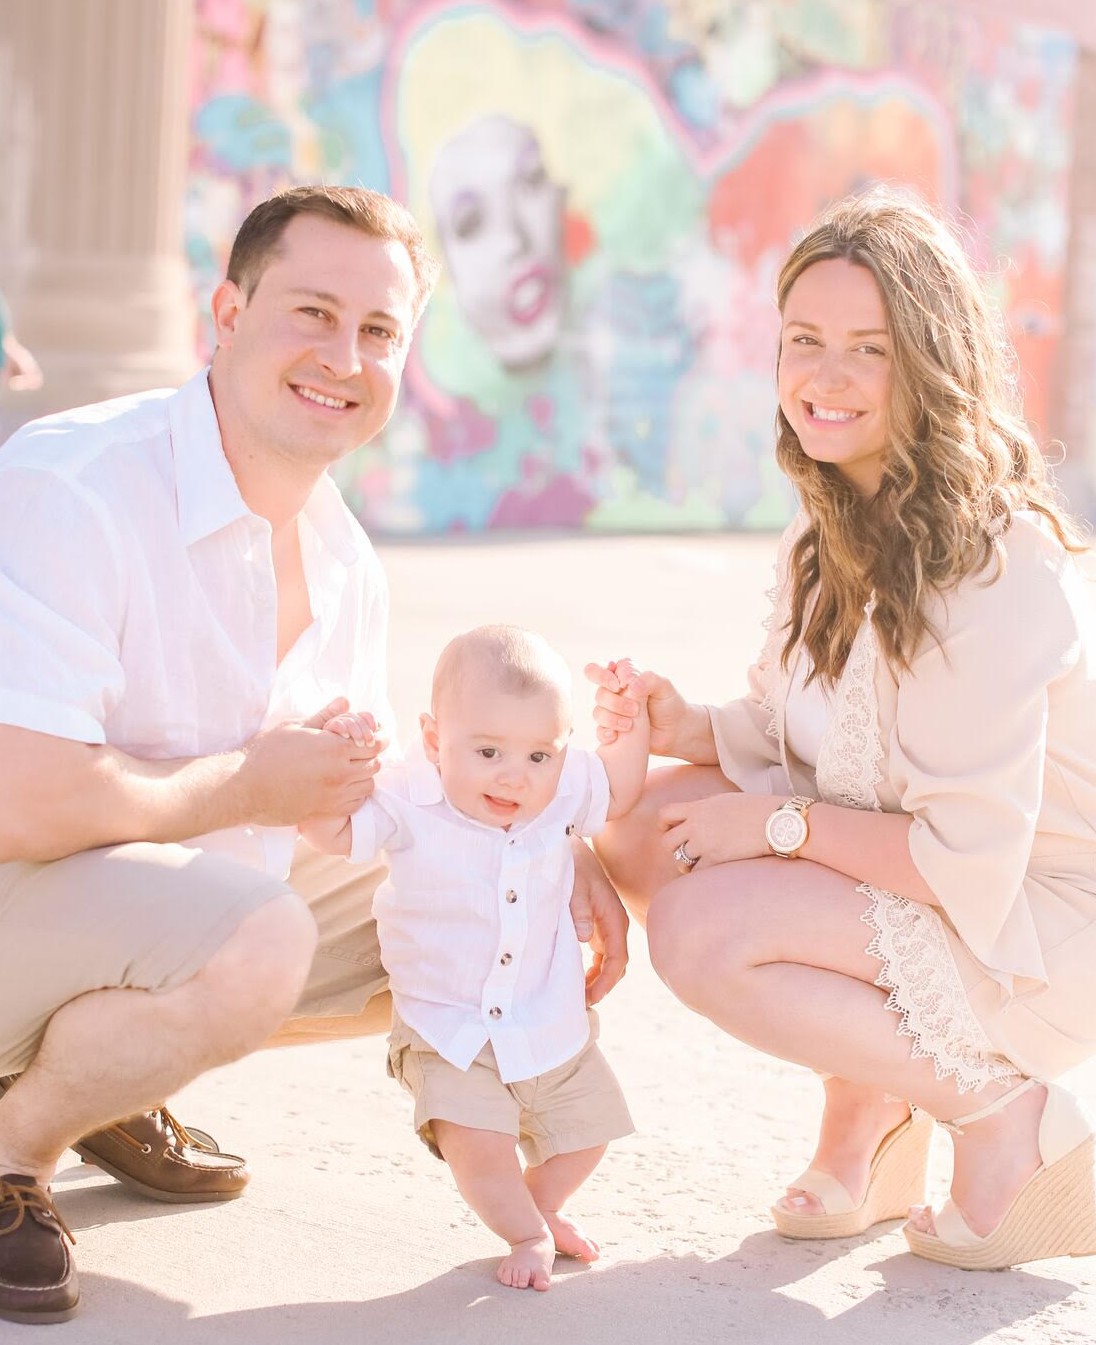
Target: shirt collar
<point>332,521</point>
<point>207,495</point>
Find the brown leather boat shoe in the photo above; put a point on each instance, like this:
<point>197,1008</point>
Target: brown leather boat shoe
<point>38,1281</point>
<point>155,1154</point>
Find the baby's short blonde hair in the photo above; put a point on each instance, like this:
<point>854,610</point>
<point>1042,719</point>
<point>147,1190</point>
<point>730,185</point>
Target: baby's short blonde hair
<point>516,661</point>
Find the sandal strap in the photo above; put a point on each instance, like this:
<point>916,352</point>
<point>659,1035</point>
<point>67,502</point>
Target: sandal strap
<point>826,1189</point>
<point>952,1228</point>
<point>955,1127</point>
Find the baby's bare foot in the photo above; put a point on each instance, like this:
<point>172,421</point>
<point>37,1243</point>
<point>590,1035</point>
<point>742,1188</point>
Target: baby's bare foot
<point>569,1238</point>
<point>529,1265</point>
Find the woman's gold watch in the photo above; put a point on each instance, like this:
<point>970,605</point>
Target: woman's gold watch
<point>786,829</point>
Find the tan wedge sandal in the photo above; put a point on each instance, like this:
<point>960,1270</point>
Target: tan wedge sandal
<point>896,1181</point>
<point>1054,1214</point>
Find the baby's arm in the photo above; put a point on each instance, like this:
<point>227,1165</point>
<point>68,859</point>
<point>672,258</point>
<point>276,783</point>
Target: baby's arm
<point>332,835</point>
<point>626,759</point>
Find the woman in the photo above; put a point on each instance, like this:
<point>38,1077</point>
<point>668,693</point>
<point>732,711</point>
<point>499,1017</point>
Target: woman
<point>917,922</point>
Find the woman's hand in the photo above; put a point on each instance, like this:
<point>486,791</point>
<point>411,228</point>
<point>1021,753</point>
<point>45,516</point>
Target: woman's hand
<point>719,829</point>
<point>615,710</point>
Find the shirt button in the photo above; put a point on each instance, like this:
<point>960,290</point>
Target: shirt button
<point>511,896</point>
<point>506,959</point>
<point>570,829</point>
<point>496,1012</point>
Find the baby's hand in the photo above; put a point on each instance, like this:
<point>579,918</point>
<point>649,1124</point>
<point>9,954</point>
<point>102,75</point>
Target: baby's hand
<point>359,728</point>
<point>614,677</point>
<point>621,695</point>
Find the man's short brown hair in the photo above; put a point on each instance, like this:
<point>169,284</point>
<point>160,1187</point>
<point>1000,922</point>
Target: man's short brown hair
<point>371,212</point>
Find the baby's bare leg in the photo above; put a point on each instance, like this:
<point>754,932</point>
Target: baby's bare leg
<point>488,1175</point>
<point>553,1182</point>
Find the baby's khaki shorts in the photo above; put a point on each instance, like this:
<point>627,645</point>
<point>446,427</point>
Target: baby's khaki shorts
<point>578,1105</point>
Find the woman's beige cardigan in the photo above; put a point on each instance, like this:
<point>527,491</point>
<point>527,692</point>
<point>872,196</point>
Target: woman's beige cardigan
<point>989,743</point>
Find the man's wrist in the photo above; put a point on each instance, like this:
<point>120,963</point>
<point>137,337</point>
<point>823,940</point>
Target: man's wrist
<point>232,788</point>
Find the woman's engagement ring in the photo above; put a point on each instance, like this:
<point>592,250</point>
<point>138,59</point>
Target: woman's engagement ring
<point>683,857</point>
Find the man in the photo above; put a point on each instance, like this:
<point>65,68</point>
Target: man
<point>184,601</point>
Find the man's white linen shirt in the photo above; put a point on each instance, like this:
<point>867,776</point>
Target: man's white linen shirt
<point>138,602</point>
<point>475,922</point>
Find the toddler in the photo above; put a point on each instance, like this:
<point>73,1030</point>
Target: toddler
<point>491,1034</point>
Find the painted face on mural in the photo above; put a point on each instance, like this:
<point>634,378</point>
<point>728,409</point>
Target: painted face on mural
<point>835,369</point>
<point>500,219</point>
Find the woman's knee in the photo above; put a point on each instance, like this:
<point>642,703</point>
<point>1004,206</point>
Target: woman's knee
<point>691,938</point>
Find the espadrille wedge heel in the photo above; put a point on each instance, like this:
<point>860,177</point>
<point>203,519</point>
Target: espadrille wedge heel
<point>896,1181</point>
<point>1053,1215</point>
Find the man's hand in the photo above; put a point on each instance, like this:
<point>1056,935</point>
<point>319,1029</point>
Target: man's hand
<point>600,920</point>
<point>62,796</point>
<point>299,770</point>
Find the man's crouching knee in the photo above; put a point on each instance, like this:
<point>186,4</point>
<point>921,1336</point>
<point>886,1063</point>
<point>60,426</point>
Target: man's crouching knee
<point>250,985</point>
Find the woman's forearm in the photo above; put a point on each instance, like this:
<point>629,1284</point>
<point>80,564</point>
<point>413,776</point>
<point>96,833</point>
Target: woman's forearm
<point>868,846</point>
<point>690,738</point>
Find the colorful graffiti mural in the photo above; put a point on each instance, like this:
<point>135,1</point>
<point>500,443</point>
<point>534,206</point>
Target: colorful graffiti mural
<point>611,185</point>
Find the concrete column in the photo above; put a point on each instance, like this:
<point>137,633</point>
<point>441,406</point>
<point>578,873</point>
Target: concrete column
<point>92,242</point>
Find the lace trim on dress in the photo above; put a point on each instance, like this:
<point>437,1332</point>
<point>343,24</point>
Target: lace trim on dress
<point>849,760</point>
<point>919,971</point>
<point>773,700</point>
<point>927,991</point>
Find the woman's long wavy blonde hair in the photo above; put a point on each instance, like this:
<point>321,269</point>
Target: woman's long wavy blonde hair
<point>960,458</point>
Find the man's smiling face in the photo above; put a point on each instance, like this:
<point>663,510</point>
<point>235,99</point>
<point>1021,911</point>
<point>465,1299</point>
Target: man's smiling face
<point>308,365</point>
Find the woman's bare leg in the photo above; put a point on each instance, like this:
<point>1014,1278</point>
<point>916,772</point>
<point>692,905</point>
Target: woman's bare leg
<point>773,951</point>
<point>632,850</point>
<point>752,945</point>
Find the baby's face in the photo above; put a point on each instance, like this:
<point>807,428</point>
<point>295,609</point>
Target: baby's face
<point>499,754</point>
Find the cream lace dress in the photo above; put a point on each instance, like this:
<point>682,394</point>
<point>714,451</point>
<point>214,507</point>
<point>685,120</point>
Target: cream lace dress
<point>989,745</point>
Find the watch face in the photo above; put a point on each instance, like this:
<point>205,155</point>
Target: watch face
<point>786,830</point>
